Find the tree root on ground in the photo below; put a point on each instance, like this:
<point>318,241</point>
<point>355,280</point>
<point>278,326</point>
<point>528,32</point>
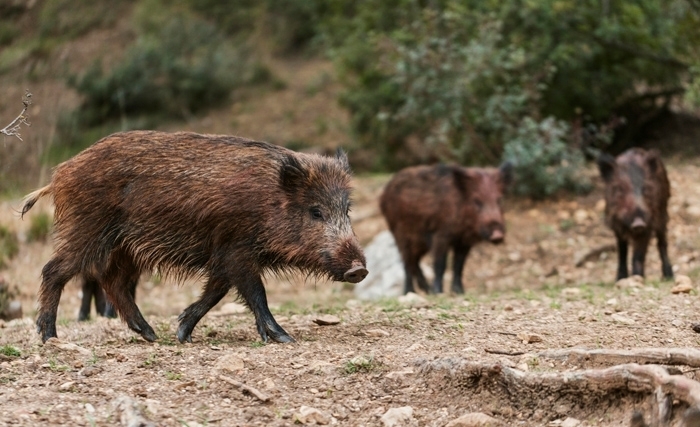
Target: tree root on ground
<point>529,390</point>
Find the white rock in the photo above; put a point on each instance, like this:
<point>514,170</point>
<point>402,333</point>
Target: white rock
<point>413,300</point>
<point>570,292</point>
<point>630,282</point>
<point>229,363</point>
<point>66,386</point>
<point>376,333</point>
<point>397,417</point>
<point>619,318</point>
<point>327,319</point>
<point>570,422</point>
<point>683,284</point>
<point>474,419</point>
<point>309,415</point>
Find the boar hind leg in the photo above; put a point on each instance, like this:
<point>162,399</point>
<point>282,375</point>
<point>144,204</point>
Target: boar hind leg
<point>90,290</point>
<point>55,274</point>
<point>460,258</point>
<point>639,254</point>
<point>440,264</point>
<point>116,281</point>
<point>622,271</point>
<point>662,245</point>
<point>107,308</point>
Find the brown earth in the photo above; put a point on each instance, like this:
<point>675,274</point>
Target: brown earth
<point>377,357</point>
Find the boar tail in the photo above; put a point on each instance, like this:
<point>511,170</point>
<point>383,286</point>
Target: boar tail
<point>32,197</point>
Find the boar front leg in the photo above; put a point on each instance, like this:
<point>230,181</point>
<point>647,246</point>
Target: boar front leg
<point>662,245</point>
<point>440,248</point>
<point>622,271</point>
<point>252,291</point>
<point>460,258</point>
<point>639,253</point>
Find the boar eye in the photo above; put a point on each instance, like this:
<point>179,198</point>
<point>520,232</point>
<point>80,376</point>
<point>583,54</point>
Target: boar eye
<point>478,203</point>
<point>316,213</point>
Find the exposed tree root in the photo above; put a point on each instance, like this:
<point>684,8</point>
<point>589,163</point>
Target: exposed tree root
<point>651,380</point>
<point>643,356</point>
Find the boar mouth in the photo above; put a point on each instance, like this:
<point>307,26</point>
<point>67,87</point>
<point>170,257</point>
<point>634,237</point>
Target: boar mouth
<point>355,274</point>
<point>638,225</point>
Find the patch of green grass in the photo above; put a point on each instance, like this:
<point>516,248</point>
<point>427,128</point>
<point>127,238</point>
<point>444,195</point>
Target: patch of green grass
<point>555,305</point>
<point>257,344</point>
<point>39,227</point>
<point>64,321</point>
<point>151,360</point>
<point>10,351</point>
<point>164,336</point>
<point>172,376</point>
<point>56,367</point>
<point>361,364</point>
<point>9,245</point>
<point>566,224</point>
<point>389,305</point>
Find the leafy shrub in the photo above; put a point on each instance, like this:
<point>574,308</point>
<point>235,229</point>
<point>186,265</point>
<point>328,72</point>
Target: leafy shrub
<point>8,32</point>
<point>39,227</point>
<point>69,19</point>
<point>175,69</point>
<point>9,246</point>
<point>544,162</point>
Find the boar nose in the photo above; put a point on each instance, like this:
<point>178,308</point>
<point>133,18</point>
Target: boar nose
<point>638,224</point>
<point>496,237</point>
<point>355,274</point>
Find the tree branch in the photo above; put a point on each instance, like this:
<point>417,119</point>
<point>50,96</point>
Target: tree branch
<point>13,128</point>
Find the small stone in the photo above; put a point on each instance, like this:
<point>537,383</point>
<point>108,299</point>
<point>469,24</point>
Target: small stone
<point>515,256</point>
<point>570,422</point>
<point>68,346</point>
<point>570,292</point>
<point>413,300</point>
<point>529,338</point>
<point>635,281</point>
<point>269,384</point>
<point>683,285</point>
<point>230,308</point>
<point>611,301</point>
<point>91,370</point>
<point>66,386</point>
<point>376,333</point>
<point>397,417</point>
<point>121,358</point>
<point>309,415</point>
<point>580,216</point>
<point>677,323</point>
<point>474,419</point>
<point>399,374</point>
<point>89,408</point>
<point>230,363</point>
<point>327,319</point>
<point>619,318</point>
<point>508,307</point>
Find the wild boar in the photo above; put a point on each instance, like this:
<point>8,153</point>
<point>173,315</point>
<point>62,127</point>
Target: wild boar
<point>636,206</point>
<point>435,208</point>
<point>222,207</point>
<point>92,290</point>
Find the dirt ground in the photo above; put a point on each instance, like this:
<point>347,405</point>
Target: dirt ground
<point>523,298</point>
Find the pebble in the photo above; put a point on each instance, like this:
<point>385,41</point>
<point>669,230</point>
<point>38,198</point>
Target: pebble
<point>474,419</point>
<point>309,415</point>
<point>327,319</point>
<point>619,318</point>
<point>529,338</point>
<point>376,333</point>
<point>66,386</point>
<point>230,363</point>
<point>630,282</point>
<point>397,417</point>
<point>683,285</point>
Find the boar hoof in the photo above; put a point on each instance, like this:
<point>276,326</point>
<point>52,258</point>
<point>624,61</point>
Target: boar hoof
<point>46,327</point>
<point>183,334</point>
<point>273,332</point>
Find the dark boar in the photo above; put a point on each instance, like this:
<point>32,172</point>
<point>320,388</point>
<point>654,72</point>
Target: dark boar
<point>636,201</point>
<point>222,207</point>
<point>435,208</point>
<point>92,290</point>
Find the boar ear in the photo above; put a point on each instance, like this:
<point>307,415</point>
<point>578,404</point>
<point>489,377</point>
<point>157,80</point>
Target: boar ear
<point>343,159</point>
<point>506,169</point>
<point>292,173</point>
<point>606,165</point>
<point>653,160</point>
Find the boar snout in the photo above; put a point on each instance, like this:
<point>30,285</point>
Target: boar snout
<point>638,224</point>
<point>356,273</point>
<point>496,237</point>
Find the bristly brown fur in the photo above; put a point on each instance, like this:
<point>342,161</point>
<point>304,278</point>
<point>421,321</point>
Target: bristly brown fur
<point>189,204</point>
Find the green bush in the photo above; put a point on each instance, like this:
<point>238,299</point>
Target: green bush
<point>68,19</point>
<point>175,69</point>
<point>39,227</point>
<point>9,245</point>
<point>545,162</point>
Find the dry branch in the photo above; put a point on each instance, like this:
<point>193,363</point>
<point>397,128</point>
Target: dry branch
<point>594,254</point>
<point>13,128</point>
<point>246,388</point>
<point>660,356</point>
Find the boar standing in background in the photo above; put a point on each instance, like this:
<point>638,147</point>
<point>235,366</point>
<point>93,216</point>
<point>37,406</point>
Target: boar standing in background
<point>222,207</point>
<point>636,200</point>
<point>435,208</point>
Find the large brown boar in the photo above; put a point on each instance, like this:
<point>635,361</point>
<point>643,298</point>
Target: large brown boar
<point>636,200</point>
<point>435,208</point>
<point>222,207</point>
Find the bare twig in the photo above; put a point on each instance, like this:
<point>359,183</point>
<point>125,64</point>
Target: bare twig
<point>13,128</point>
<point>504,352</point>
<point>594,254</point>
<point>246,388</point>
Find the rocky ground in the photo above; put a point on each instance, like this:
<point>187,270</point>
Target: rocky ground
<point>417,361</point>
